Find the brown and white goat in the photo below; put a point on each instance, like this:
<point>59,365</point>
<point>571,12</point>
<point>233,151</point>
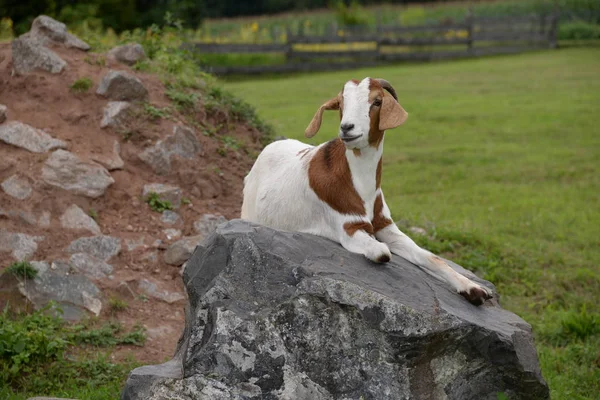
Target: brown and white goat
<point>334,189</point>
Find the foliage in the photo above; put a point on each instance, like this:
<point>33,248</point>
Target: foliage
<point>509,187</point>
<point>578,30</point>
<point>22,270</point>
<point>156,204</point>
<point>82,85</point>
<point>349,15</point>
<point>156,112</point>
<point>117,304</point>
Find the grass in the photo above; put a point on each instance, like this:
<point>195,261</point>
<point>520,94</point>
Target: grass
<point>156,204</point>
<point>22,270</point>
<point>499,162</point>
<point>82,85</point>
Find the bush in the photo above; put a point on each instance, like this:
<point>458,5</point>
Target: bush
<point>156,204</point>
<point>578,30</point>
<point>352,15</point>
<point>82,85</point>
<point>22,269</point>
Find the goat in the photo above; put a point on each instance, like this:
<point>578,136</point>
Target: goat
<point>334,189</point>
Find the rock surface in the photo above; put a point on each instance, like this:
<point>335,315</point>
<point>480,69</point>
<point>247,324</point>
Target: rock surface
<point>151,289</point>
<point>102,247</point>
<point>119,85</point>
<point>29,54</point>
<point>170,217</point>
<point>182,143</point>
<point>114,113</point>
<point>3,111</point>
<point>17,187</point>
<point>90,266</point>
<point>127,54</point>
<point>208,223</point>
<point>27,137</point>
<point>67,171</point>
<point>180,251</point>
<point>276,315</point>
<point>169,193</point>
<point>47,29</point>
<point>20,245</point>
<point>112,162</point>
<point>75,218</point>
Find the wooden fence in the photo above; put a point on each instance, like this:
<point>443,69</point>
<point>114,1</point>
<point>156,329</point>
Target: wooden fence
<point>472,37</point>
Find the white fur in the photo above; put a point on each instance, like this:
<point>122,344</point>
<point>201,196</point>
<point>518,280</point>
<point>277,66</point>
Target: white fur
<point>277,194</point>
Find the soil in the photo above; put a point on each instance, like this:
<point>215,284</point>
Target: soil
<point>212,182</point>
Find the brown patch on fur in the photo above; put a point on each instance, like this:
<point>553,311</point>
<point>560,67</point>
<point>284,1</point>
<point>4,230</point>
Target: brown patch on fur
<point>476,296</point>
<point>375,134</point>
<point>356,152</point>
<point>378,174</point>
<point>352,227</point>
<point>379,221</point>
<point>329,176</point>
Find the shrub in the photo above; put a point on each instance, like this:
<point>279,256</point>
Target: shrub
<point>82,85</point>
<point>578,30</point>
<point>352,15</point>
<point>22,269</point>
<point>156,204</point>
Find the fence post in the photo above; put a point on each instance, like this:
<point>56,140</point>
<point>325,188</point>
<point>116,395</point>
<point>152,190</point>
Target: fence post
<point>553,33</point>
<point>470,28</point>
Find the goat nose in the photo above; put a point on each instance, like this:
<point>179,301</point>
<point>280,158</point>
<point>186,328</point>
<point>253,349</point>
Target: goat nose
<point>346,128</point>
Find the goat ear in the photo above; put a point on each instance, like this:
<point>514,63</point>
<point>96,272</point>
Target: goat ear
<point>392,114</point>
<point>315,124</point>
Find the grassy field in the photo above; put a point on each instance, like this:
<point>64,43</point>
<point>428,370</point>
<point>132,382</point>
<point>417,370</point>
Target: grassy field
<point>500,162</point>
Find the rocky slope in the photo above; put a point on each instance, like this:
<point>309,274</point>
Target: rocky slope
<point>85,140</point>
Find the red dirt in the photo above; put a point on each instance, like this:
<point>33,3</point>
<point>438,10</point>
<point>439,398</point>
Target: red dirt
<point>213,183</point>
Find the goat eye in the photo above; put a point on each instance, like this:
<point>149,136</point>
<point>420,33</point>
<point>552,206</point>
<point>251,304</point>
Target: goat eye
<point>377,103</point>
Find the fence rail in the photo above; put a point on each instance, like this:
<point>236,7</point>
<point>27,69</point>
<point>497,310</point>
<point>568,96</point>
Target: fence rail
<point>471,38</point>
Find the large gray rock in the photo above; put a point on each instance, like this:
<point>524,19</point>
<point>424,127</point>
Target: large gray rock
<point>90,266</point>
<point>27,137</point>
<point>67,171</point>
<point>20,245</point>
<point>127,54</point>
<point>152,290</point>
<point>49,30</point>
<point>17,187</point>
<point>182,143</point>
<point>180,251</point>
<point>30,54</point>
<point>75,218</point>
<point>114,113</point>
<point>170,193</point>
<point>101,247</point>
<point>113,161</point>
<point>119,85</point>
<point>278,315</point>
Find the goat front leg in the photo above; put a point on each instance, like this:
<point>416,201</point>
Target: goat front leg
<point>357,237</point>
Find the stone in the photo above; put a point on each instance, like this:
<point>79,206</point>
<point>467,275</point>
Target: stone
<point>44,219</point>
<point>127,54</point>
<point>3,111</point>
<point>114,113</point>
<point>285,315</point>
<point>102,247</point>
<point>112,162</point>
<point>170,193</point>
<point>67,171</point>
<point>170,217</point>
<point>27,137</point>
<point>180,251</point>
<point>90,266</point>
<point>151,289</point>
<point>47,29</point>
<point>208,223</point>
<point>17,187</point>
<point>30,54</point>
<point>75,218</point>
<point>21,246</point>
<point>119,85</point>
<point>182,143</point>
<point>172,233</point>
<point>134,243</point>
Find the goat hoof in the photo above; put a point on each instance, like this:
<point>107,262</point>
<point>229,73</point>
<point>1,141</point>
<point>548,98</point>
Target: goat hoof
<point>476,295</point>
<point>383,258</point>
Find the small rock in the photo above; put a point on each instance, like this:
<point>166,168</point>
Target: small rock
<point>114,113</point>
<point>133,244</point>
<point>172,233</point>
<point>27,137</point>
<point>169,193</point>
<point>183,143</point>
<point>208,223</point>
<point>3,111</point>
<point>119,85</point>
<point>21,246</point>
<point>17,187</point>
<point>127,54</point>
<point>180,251</point>
<point>29,54</point>
<point>102,247</point>
<point>417,230</point>
<point>90,266</point>
<point>114,161</point>
<point>44,220</point>
<point>150,257</point>
<point>75,218</point>
<point>125,290</point>
<point>151,289</point>
<point>65,170</point>
<point>44,27</point>
<point>170,217</point>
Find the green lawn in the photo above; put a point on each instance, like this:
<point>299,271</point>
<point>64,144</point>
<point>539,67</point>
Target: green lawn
<point>500,160</point>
